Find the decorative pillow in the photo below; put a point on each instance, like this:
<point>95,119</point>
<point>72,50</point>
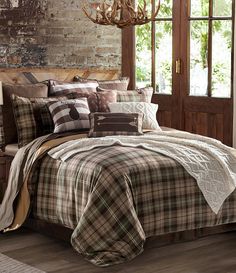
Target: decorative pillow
<point>70,115</point>
<point>107,124</point>
<point>148,109</point>
<point>139,95</point>
<point>8,128</point>
<point>31,117</point>
<point>98,102</point>
<point>57,88</point>
<point>118,84</point>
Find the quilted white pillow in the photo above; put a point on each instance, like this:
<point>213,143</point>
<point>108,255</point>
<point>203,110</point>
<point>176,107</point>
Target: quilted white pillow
<point>148,109</point>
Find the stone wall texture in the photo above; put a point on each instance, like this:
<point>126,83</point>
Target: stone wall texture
<point>55,33</point>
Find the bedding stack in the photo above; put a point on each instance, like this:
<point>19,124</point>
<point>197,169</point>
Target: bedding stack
<point>34,110</point>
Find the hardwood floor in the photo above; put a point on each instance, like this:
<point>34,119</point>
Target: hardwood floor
<point>212,254</point>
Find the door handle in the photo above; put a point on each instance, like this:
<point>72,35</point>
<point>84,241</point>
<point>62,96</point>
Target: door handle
<point>178,66</point>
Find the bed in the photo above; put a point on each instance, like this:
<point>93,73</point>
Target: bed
<point>109,195</point>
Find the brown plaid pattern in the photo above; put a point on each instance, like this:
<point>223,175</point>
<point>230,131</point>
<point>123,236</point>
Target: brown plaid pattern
<point>57,88</point>
<point>116,197</point>
<point>69,115</point>
<point>25,121</point>
<point>139,95</point>
<point>32,118</point>
<point>110,124</point>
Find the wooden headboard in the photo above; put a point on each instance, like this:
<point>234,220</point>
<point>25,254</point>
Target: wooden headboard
<point>34,75</point>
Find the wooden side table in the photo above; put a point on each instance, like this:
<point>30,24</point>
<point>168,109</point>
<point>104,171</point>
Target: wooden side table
<point>5,163</point>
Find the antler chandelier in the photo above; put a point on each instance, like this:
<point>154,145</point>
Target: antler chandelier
<point>120,13</point>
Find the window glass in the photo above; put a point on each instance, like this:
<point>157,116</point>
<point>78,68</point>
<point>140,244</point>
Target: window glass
<point>143,56</point>
<point>222,7</point>
<point>164,57</point>
<point>221,58</point>
<point>199,8</point>
<point>198,58</point>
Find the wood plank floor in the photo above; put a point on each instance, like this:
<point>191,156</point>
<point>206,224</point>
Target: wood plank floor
<point>212,254</point>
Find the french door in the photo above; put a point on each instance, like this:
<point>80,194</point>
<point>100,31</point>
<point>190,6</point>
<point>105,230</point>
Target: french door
<point>187,56</point>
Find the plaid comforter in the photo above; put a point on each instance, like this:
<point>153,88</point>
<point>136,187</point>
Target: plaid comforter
<point>115,197</point>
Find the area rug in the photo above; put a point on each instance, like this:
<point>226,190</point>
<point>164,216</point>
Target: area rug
<point>9,265</point>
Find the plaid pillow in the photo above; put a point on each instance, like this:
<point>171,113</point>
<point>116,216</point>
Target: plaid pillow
<point>57,88</point>
<point>32,118</point>
<point>118,84</point>
<point>149,110</point>
<point>139,95</point>
<point>70,115</point>
<point>25,121</point>
<point>107,124</point>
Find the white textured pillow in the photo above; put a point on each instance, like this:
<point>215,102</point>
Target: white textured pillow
<point>148,109</point>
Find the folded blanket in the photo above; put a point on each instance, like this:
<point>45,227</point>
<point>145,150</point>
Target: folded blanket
<point>211,163</point>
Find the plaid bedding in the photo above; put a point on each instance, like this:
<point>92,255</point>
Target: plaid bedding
<point>116,197</point>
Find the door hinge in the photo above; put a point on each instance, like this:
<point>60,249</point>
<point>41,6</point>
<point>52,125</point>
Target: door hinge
<point>178,66</point>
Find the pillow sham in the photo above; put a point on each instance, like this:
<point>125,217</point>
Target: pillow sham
<point>98,102</point>
<point>149,110</point>
<point>138,95</point>
<point>118,84</point>
<point>8,126</point>
<point>57,88</point>
<point>70,115</point>
<point>32,119</point>
<point>107,124</point>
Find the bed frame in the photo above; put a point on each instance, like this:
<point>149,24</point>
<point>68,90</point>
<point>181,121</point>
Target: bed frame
<point>34,75</point>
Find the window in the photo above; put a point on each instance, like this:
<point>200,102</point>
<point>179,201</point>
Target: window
<point>208,45</point>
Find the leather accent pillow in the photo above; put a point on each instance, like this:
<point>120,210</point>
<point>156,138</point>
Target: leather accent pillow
<point>57,88</point>
<point>118,84</point>
<point>108,124</point>
<point>31,117</point>
<point>99,101</point>
<point>149,110</point>
<point>70,115</point>
<point>138,95</point>
<point>8,131</point>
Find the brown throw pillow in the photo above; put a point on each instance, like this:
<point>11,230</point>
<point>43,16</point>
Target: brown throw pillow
<point>70,115</point>
<point>108,124</point>
<point>138,95</point>
<point>9,131</point>
<point>99,101</point>
<point>118,84</point>
<point>31,117</point>
<point>57,88</point>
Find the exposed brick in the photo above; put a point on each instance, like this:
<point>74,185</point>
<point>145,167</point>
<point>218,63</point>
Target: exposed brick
<point>55,33</point>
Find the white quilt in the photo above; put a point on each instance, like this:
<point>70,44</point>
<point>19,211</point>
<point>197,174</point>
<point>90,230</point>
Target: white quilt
<point>211,163</point>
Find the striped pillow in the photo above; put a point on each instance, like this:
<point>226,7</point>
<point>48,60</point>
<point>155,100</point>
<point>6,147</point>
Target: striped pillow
<point>70,115</point>
<point>118,84</point>
<point>109,124</point>
<point>139,95</point>
<point>57,88</point>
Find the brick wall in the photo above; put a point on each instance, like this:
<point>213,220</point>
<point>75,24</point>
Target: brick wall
<point>54,33</point>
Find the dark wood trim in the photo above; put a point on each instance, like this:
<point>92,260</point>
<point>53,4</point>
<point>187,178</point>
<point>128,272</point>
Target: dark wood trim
<point>209,86</point>
<point>153,41</point>
<point>128,55</point>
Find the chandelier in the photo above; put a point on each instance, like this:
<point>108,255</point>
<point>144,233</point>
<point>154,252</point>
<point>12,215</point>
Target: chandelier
<point>120,13</point>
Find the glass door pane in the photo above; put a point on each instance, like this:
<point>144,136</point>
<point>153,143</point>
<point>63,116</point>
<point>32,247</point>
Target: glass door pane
<point>164,57</point>
<point>198,58</point>
<point>143,56</point>
<point>221,58</point>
